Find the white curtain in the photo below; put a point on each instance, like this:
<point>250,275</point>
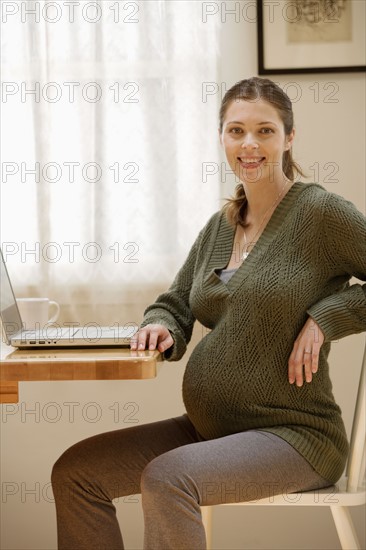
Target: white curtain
<point>107,130</point>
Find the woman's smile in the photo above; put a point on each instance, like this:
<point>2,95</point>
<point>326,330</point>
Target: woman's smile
<point>251,163</point>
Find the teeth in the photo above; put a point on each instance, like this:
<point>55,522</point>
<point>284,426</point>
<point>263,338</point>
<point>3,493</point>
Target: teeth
<point>251,160</point>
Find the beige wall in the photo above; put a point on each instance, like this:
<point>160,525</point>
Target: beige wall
<point>32,441</point>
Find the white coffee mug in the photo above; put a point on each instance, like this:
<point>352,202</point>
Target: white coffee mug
<point>35,312</point>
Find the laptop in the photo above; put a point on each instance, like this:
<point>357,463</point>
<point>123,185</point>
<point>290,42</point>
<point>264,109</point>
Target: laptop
<point>16,335</point>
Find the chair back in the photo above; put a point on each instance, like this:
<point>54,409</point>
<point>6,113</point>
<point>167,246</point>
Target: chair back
<point>356,460</point>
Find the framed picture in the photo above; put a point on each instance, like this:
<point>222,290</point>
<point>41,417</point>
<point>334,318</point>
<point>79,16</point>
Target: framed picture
<point>311,36</point>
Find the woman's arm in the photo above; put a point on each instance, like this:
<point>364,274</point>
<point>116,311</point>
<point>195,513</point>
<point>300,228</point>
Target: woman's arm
<point>344,312</point>
<point>171,308</point>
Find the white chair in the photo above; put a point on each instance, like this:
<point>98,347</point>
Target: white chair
<point>349,490</point>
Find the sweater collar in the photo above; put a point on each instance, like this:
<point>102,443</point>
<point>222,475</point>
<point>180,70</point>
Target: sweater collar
<point>223,241</point>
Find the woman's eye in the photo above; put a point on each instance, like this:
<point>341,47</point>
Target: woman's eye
<point>235,130</point>
<point>266,131</point>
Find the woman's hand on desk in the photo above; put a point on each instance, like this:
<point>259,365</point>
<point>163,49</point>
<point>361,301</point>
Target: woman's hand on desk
<point>152,337</point>
<point>303,361</point>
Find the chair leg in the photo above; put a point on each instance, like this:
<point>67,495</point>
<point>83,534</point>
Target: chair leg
<point>345,529</point>
<point>206,512</point>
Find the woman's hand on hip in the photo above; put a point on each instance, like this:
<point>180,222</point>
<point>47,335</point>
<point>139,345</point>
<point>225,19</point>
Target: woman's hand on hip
<point>304,358</point>
<point>152,337</point>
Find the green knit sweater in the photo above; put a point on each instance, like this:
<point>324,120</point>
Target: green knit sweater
<point>236,378</point>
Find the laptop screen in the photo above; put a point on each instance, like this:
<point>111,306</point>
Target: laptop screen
<point>9,312</point>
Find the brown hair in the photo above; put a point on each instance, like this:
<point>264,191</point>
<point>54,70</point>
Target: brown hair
<point>254,89</point>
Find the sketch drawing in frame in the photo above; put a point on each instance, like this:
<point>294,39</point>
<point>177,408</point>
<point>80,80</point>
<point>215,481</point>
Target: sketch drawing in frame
<point>311,36</point>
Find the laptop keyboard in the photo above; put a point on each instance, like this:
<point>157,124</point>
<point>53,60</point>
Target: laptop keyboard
<point>87,333</point>
<point>92,333</point>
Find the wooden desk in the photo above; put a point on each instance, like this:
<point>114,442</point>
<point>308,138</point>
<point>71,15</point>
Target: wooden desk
<point>72,364</point>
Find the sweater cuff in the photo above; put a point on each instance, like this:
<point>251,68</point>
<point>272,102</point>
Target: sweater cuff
<point>333,317</point>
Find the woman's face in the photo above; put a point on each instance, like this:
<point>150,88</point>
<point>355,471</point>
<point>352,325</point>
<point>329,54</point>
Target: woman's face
<point>254,140</point>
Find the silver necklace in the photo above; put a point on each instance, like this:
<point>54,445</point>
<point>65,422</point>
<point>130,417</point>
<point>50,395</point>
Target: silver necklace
<point>245,252</point>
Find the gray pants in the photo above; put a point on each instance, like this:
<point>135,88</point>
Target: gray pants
<point>176,472</point>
